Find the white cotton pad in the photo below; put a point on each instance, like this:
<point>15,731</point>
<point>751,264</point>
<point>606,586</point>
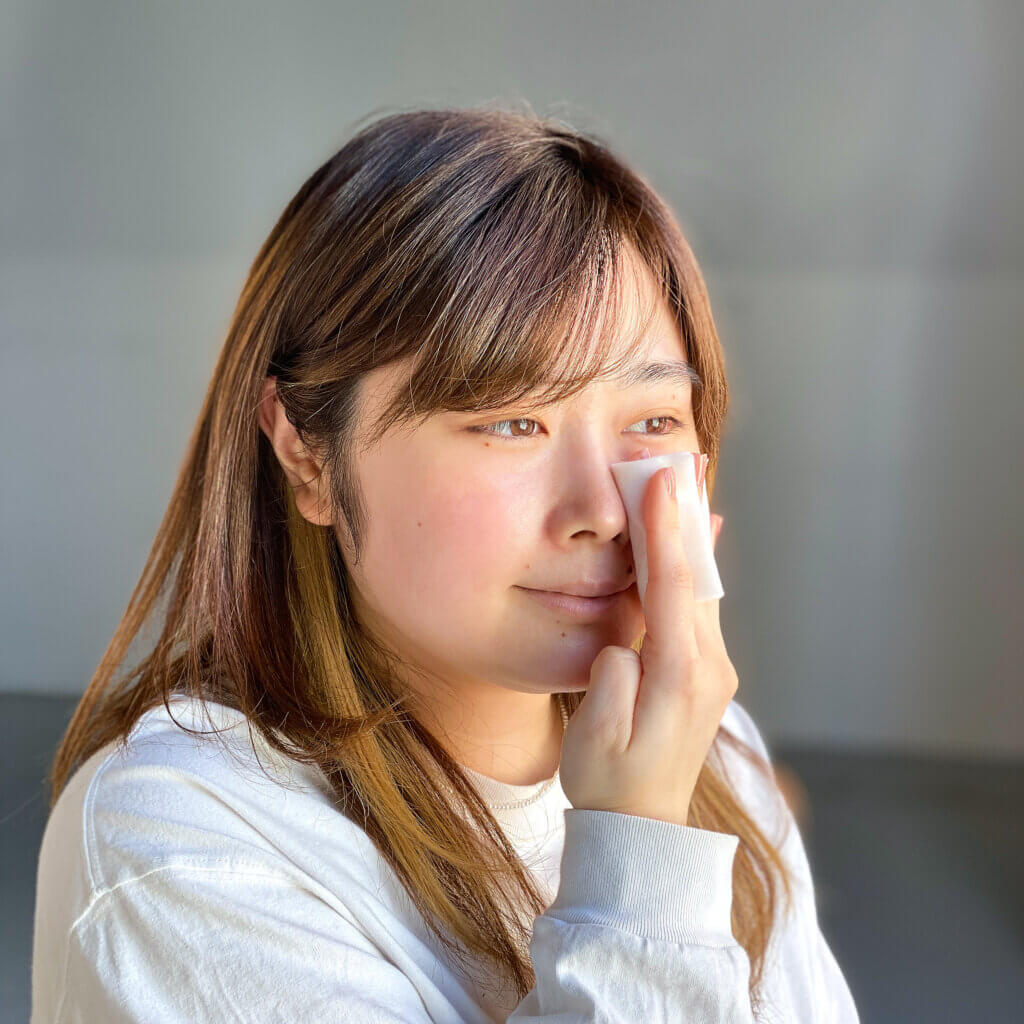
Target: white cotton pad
<point>631,478</point>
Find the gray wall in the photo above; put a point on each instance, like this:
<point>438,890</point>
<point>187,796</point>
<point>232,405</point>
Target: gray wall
<point>848,174</point>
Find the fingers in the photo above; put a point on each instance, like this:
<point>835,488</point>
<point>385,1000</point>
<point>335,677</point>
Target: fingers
<point>716,528</point>
<point>700,465</point>
<point>607,710</point>
<point>669,613</point>
<point>709,626</point>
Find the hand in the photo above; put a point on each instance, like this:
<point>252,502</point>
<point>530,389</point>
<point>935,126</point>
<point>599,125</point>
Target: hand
<point>638,740</point>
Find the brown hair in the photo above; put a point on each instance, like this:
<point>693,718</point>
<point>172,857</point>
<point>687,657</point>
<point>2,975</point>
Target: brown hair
<point>484,243</point>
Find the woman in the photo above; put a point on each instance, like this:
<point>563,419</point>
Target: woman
<point>372,769</point>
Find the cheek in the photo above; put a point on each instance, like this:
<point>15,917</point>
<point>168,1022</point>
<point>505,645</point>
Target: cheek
<point>476,527</point>
<point>450,540</point>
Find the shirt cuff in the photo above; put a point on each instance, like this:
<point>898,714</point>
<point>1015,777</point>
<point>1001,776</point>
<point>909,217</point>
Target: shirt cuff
<point>650,877</point>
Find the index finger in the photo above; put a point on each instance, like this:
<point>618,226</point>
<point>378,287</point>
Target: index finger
<point>669,604</point>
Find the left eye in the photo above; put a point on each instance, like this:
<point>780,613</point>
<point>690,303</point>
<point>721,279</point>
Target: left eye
<point>489,428</point>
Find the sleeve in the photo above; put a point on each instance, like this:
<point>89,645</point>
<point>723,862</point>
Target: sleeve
<point>639,930</point>
<point>815,974</point>
<point>640,927</point>
<point>211,945</point>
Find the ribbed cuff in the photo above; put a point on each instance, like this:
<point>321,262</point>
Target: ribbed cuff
<point>646,876</point>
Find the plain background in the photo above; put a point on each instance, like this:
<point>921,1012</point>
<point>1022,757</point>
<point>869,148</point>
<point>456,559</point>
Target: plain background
<point>847,173</point>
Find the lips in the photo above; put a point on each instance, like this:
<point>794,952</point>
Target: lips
<point>574,605</point>
<point>586,589</point>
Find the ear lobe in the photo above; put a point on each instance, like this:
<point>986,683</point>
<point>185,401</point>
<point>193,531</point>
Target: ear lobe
<point>312,503</point>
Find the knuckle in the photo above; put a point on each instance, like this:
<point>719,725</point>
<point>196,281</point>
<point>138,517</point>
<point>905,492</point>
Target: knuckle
<point>624,656</point>
<point>679,575</point>
<point>701,678</point>
<point>689,677</point>
<point>730,678</point>
<point>630,659</point>
<point>610,730</point>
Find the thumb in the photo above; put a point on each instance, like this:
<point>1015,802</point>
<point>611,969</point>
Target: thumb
<point>607,707</point>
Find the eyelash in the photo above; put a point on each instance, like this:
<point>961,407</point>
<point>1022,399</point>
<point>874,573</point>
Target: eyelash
<point>487,428</point>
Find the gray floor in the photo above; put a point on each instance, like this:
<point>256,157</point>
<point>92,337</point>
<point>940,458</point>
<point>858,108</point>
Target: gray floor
<point>918,865</point>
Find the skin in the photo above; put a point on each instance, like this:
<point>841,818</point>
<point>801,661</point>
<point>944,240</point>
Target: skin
<point>457,520</point>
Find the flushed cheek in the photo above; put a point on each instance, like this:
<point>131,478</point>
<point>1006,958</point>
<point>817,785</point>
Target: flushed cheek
<point>472,537</point>
<point>450,546</point>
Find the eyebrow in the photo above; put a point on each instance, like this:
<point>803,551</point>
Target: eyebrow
<point>676,371</point>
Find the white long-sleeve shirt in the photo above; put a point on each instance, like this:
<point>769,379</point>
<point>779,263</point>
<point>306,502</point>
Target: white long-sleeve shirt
<point>178,883</point>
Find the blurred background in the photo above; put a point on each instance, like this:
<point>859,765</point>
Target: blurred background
<point>849,175</point>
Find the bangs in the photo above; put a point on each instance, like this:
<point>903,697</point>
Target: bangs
<point>534,316</point>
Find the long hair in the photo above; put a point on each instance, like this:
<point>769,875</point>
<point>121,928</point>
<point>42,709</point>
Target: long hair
<point>484,244</point>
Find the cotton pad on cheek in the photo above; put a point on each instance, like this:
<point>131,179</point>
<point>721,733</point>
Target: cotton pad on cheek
<point>631,478</point>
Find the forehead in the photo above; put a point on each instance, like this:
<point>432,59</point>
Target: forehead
<point>643,321</point>
<point>637,317</point>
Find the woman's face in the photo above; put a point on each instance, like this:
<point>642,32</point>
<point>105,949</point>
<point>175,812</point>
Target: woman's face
<point>467,510</point>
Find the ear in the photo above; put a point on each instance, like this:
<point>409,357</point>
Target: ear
<point>301,467</point>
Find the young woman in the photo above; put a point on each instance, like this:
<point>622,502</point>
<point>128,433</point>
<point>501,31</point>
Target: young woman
<point>372,768</point>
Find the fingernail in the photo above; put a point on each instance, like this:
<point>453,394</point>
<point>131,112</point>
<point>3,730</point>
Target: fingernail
<point>698,470</point>
<point>670,482</point>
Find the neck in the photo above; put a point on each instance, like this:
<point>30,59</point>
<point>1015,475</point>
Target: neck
<point>515,738</point>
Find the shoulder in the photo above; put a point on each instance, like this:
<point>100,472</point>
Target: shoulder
<point>169,797</point>
<point>215,838</point>
<point>175,831</point>
<point>752,778</point>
